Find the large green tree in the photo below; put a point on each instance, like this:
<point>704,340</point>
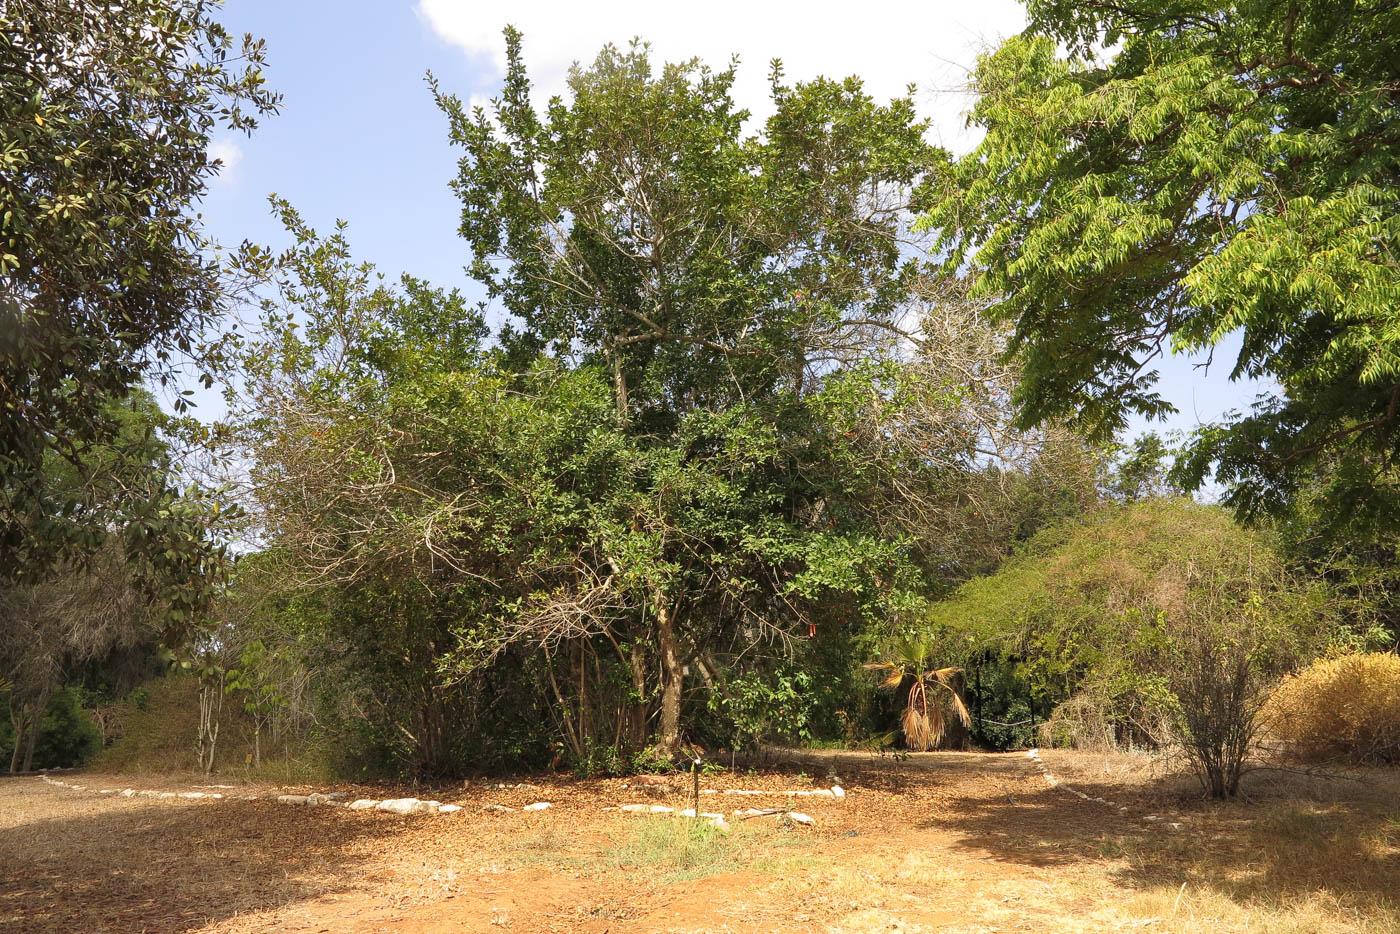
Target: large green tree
<point>106,117</point>
<point>746,294</point>
<point>730,417</point>
<point>1165,174</point>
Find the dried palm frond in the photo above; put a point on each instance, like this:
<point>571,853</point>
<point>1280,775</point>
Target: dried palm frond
<point>924,719</point>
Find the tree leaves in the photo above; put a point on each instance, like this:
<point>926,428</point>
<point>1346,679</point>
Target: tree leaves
<point>1223,172</point>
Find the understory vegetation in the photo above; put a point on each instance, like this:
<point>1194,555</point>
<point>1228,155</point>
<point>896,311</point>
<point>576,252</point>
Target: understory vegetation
<point>796,430</point>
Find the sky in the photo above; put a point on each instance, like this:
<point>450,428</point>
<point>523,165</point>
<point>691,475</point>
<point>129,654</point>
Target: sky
<point>360,139</point>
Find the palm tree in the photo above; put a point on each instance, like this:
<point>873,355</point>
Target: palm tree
<point>931,692</point>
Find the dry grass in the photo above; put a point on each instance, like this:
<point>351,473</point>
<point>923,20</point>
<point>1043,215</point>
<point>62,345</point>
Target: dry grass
<point>1344,709</point>
<point>944,842</point>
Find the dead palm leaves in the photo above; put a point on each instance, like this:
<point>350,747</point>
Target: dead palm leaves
<point>932,694</point>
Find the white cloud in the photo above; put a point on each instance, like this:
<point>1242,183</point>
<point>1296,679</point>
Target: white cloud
<point>230,154</point>
<point>933,43</point>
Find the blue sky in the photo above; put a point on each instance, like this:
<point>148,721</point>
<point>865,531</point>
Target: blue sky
<point>359,137</point>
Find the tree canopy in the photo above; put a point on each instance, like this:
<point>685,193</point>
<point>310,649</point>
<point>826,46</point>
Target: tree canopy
<point>731,417</point>
<point>105,280</point>
<point>1180,173</point>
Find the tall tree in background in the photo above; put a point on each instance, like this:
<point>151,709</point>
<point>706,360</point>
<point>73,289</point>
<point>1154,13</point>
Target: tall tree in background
<point>745,296</point>
<point>1223,169</point>
<point>86,613</point>
<point>105,126</point>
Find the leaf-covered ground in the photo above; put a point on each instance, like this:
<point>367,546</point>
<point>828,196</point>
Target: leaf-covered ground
<point>948,842</point>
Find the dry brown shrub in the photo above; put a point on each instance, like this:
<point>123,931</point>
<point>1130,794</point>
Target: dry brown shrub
<point>1342,709</point>
<point>1090,723</point>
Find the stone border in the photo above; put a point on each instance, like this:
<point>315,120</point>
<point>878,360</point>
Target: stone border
<point>415,806</point>
<point>1034,756</point>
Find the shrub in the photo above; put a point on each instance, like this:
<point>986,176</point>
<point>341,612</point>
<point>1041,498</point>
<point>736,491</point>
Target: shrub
<point>1164,612</point>
<point>160,718</point>
<point>68,735</point>
<point>1343,709</point>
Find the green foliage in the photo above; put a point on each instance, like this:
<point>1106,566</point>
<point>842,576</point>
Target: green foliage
<point>68,736</point>
<point>1160,609</point>
<point>752,706</point>
<point>681,460</point>
<point>104,137</point>
<point>1229,169</point>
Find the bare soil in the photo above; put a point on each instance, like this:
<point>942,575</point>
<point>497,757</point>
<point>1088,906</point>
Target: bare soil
<point>947,842</point>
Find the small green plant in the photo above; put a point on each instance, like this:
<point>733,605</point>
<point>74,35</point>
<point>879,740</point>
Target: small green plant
<point>652,761</point>
<point>680,849</point>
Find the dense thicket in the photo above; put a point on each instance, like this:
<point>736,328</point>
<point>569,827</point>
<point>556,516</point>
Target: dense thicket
<point>1166,617</point>
<point>744,425</point>
<point>731,426</point>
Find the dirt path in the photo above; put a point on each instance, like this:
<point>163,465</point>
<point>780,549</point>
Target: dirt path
<point>944,842</point>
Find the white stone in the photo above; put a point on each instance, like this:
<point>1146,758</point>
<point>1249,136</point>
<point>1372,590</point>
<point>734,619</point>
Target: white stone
<point>537,806</point>
<point>837,791</point>
<point>719,822</point>
<point>167,794</point>
<point>192,794</point>
<point>106,791</point>
<point>317,800</point>
<point>128,793</point>
<point>397,805</point>
<point>799,817</point>
<point>449,809</point>
<point>427,807</point>
<point>362,804</point>
<point>291,799</point>
<point>661,809</point>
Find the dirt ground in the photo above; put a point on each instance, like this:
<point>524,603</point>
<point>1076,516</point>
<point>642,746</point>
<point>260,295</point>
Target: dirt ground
<point>947,842</point>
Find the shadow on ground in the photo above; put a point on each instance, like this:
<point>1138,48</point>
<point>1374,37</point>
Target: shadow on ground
<point>1287,844</point>
<point>123,866</point>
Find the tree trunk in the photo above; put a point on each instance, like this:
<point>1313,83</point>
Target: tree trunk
<point>211,705</point>
<point>32,739</point>
<point>33,715</point>
<point>21,724</point>
<point>668,739</point>
<point>637,715</point>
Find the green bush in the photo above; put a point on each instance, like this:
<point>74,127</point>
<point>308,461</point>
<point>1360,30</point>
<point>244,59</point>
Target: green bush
<point>68,736</point>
